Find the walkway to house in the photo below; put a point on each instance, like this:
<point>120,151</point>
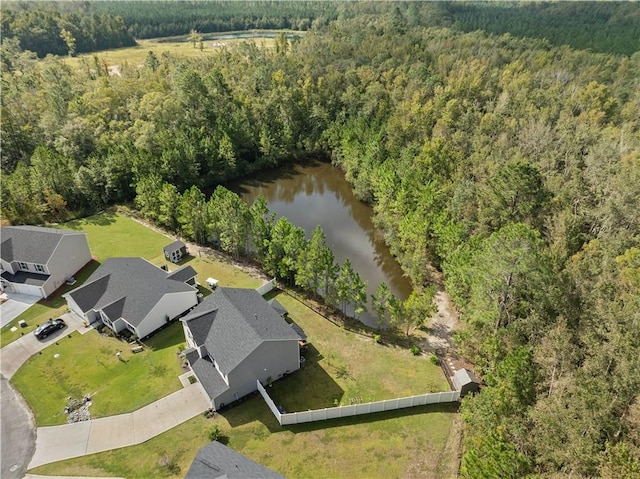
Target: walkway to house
<point>55,443</point>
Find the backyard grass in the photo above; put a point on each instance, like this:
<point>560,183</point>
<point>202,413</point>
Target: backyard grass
<point>87,364</point>
<point>407,443</point>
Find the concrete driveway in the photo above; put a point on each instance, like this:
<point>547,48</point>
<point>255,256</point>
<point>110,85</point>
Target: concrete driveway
<point>55,443</point>
<point>15,354</point>
<point>14,306</point>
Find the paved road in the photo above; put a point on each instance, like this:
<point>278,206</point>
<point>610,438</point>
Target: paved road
<point>15,354</point>
<point>56,443</point>
<point>18,433</point>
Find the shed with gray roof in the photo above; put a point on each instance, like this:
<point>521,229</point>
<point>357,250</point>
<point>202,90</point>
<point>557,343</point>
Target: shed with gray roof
<point>465,382</point>
<point>133,294</point>
<point>239,337</point>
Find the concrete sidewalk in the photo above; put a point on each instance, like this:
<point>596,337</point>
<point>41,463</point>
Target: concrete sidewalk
<point>56,443</point>
<point>15,354</point>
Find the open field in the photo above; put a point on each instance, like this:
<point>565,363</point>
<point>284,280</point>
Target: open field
<point>174,46</point>
<point>87,365</point>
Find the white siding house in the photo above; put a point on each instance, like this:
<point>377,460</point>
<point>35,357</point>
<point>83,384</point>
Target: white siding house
<point>133,294</point>
<point>37,261</point>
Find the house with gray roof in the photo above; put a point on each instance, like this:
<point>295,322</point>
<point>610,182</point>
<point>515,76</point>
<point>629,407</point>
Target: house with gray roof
<point>217,461</point>
<point>133,294</point>
<point>36,261</point>
<point>234,337</point>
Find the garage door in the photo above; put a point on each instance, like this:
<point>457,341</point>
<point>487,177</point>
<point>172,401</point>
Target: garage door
<point>27,289</point>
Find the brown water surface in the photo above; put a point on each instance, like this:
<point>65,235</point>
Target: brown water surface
<point>317,193</point>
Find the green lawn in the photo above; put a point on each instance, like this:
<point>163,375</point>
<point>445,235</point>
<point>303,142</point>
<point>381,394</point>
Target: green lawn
<point>87,365</point>
<point>409,443</point>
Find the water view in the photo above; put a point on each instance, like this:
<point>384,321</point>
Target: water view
<point>317,194</point>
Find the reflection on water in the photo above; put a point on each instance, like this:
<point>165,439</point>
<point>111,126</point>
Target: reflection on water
<point>317,194</point>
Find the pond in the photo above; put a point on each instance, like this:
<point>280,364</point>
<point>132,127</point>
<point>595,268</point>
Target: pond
<point>317,193</point>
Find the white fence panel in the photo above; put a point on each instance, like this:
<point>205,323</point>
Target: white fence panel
<point>269,402</point>
<point>356,409</point>
<point>266,287</point>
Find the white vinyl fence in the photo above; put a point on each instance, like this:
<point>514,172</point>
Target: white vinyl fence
<point>357,409</point>
<point>266,287</point>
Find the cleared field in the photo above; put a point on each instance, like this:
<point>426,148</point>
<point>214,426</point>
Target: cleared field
<point>175,46</point>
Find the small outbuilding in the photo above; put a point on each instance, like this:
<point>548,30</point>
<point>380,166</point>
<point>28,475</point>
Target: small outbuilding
<point>465,381</point>
<point>175,251</point>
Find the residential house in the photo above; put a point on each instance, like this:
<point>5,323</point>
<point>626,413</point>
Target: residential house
<point>133,294</point>
<point>175,251</point>
<point>36,261</point>
<point>234,337</point>
<point>217,461</point>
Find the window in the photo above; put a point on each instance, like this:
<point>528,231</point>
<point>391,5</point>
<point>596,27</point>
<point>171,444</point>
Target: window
<point>39,268</point>
<point>23,265</point>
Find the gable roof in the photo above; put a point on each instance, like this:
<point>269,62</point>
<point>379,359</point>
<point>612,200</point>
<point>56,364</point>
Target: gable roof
<point>31,244</point>
<point>462,377</point>
<point>182,274</point>
<point>206,373</point>
<point>217,461</point>
<point>126,288</point>
<point>173,246</point>
<point>239,321</point>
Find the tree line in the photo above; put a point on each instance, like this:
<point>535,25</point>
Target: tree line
<point>279,247</point>
<point>42,29</point>
<point>510,164</point>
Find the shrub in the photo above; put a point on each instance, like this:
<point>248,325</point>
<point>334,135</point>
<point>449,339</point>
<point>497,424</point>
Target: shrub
<point>415,350</point>
<point>193,380</point>
<point>214,433</point>
<point>377,338</point>
<point>434,360</point>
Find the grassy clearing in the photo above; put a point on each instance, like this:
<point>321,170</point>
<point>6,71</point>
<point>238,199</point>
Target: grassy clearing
<point>136,55</point>
<point>227,274</point>
<point>87,365</point>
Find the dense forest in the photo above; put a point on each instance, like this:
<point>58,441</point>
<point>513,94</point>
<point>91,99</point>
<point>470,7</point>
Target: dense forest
<point>607,27</point>
<point>511,164</point>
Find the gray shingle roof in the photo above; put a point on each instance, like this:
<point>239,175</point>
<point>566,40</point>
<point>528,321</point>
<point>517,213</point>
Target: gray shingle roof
<point>31,244</point>
<point>173,246</point>
<point>463,377</point>
<point>207,374</point>
<point>216,461</point>
<point>182,274</point>
<point>275,304</point>
<point>130,287</point>
<point>243,320</point>
<point>200,324</point>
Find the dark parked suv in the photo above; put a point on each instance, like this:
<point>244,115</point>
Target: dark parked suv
<point>49,327</point>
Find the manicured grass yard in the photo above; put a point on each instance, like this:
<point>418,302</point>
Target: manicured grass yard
<point>87,365</point>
